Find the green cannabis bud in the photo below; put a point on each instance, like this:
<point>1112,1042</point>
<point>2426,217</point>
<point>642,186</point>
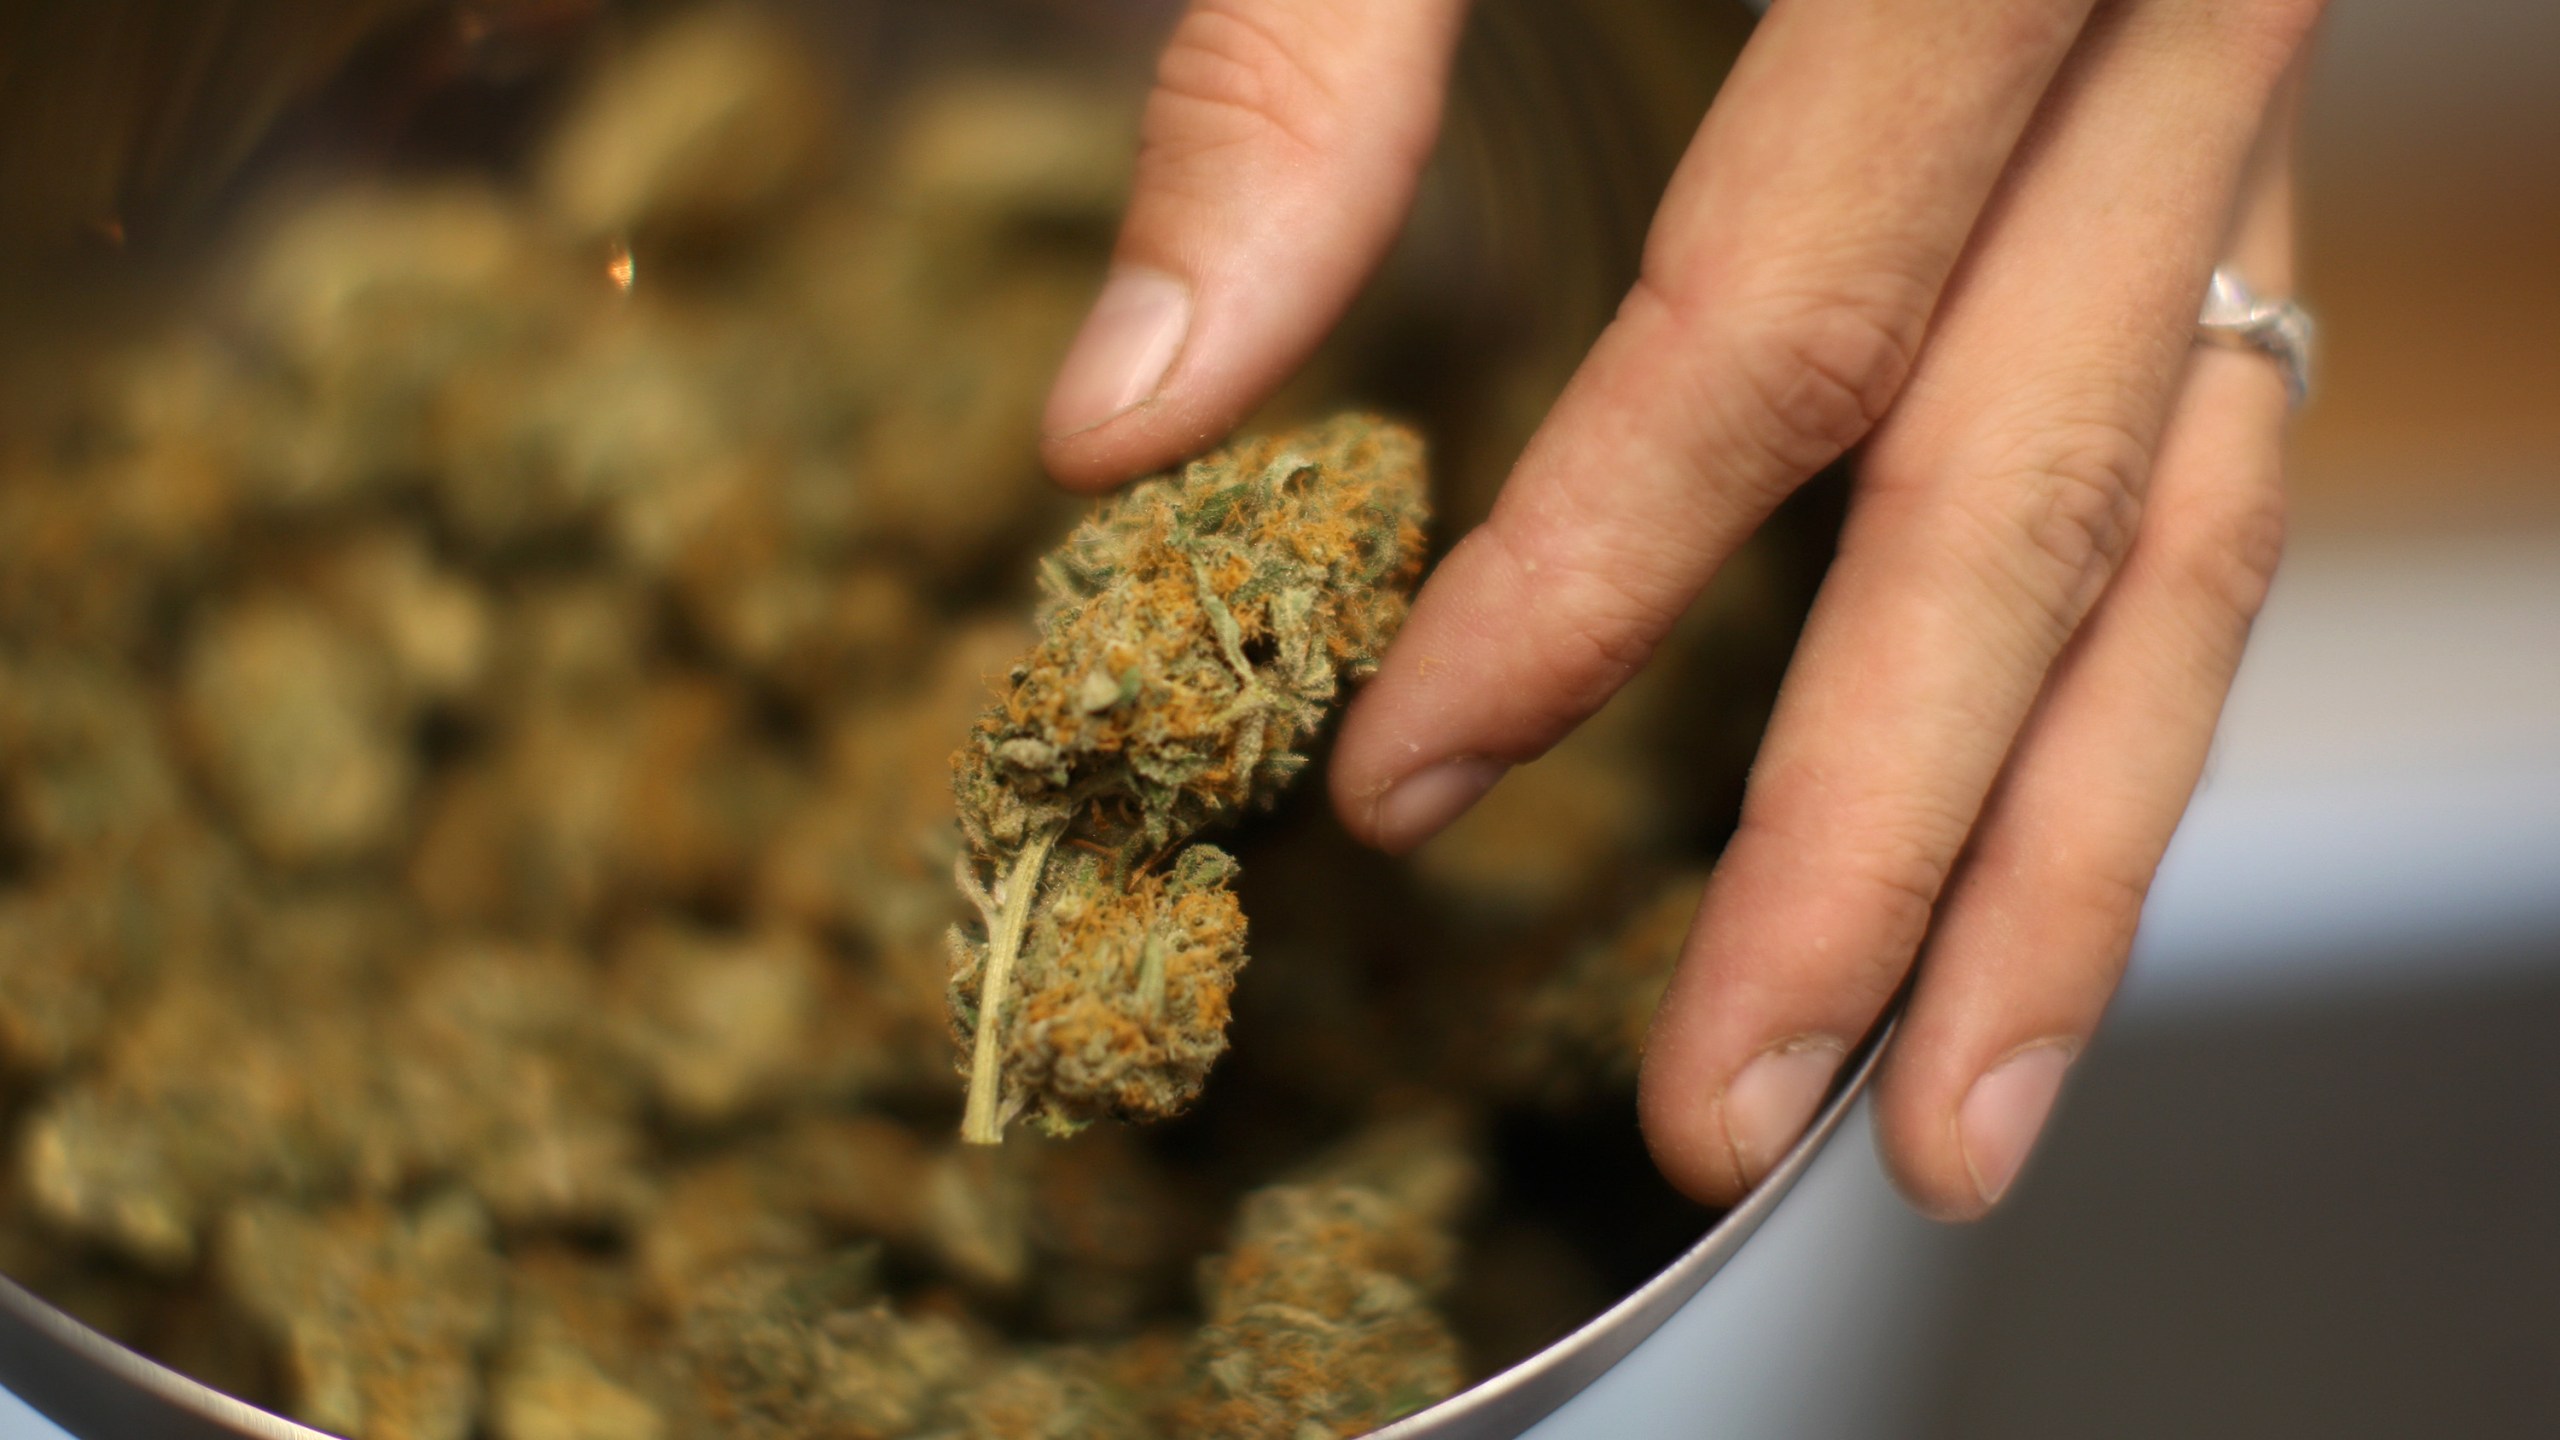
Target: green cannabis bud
<point>1580,1031</point>
<point>1319,1319</point>
<point>782,1350</point>
<point>379,1314</point>
<point>1194,633</point>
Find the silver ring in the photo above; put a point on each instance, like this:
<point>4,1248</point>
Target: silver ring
<point>2234,315</point>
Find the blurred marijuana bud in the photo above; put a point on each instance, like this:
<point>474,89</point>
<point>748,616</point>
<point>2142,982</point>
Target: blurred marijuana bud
<point>1579,1032</point>
<point>1194,631</point>
<point>378,1315</point>
<point>781,1351</point>
<point>1319,1319</point>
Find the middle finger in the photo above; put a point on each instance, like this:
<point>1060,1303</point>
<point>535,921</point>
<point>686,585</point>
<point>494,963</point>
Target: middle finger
<point>1789,274</point>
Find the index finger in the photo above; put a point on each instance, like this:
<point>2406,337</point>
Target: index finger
<point>1279,152</point>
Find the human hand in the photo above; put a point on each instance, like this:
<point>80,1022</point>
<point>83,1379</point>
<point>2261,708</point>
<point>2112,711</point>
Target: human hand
<point>1970,237</point>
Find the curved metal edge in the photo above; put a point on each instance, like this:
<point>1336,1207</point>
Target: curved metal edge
<point>1508,1403</point>
<point>96,1388</point>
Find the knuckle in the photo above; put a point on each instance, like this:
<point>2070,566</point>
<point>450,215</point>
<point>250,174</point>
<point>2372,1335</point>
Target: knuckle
<point>2112,899</point>
<point>2071,509</point>
<point>1236,72</point>
<point>1899,877</point>
<point>1594,624</point>
<point>2227,548</point>
<point>1892,860</point>
<point>1823,374</point>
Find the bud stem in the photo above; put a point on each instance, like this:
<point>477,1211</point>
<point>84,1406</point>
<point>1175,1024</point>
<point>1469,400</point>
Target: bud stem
<point>980,1122</point>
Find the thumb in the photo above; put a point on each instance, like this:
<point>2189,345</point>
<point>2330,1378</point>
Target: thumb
<point>1277,157</point>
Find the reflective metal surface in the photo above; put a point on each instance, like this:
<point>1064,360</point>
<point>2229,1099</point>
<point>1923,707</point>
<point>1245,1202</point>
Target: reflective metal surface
<point>1507,1404</point>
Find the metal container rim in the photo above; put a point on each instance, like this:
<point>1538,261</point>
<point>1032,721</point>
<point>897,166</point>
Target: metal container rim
<point>95,1388</point>
<point>1508,1402</point>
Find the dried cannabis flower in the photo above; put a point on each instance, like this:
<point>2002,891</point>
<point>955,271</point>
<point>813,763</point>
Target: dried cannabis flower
<point>1319,1319</point>
<point>1058,1394</point>
<point>379,1315</point>
<point>1580,1033</point>
<point>782,1351</point>
<point>1122,1003</point>
<point>1193,634</point>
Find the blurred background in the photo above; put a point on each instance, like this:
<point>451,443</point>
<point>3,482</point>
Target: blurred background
<point>2431,222</point>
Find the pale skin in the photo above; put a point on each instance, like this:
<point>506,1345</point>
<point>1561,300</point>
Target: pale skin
<point>1963,241</point>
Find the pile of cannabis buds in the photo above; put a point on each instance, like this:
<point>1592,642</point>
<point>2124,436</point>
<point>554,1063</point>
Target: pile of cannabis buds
<point>477,875</point>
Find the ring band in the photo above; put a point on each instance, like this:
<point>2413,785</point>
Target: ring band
<point>2234,315</point>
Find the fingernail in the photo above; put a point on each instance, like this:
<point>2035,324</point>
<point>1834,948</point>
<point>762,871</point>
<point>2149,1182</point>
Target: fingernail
<point>1771,1102</point>
<point>1422,804</point>
<point>2005,1111</point>
<point>1120,356</point>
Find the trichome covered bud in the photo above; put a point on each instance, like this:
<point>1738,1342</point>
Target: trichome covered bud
<point>1121,990</point>
<point>781,1351</point>
<point>1319,1319</point>
<point>1320,1315</point>
<point>1581,1032</point>
<point>1194,633</point>
<point>377,1316</point>
<point>1059,1394</point>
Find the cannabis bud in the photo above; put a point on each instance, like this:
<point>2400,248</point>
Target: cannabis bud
<point>1319,1319</point>
<point>1580,1031</point>
<point>1194,632</point>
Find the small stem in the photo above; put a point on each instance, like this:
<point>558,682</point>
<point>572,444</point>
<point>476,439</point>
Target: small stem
<point>980,1123</point>
<point>1151,976</point>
